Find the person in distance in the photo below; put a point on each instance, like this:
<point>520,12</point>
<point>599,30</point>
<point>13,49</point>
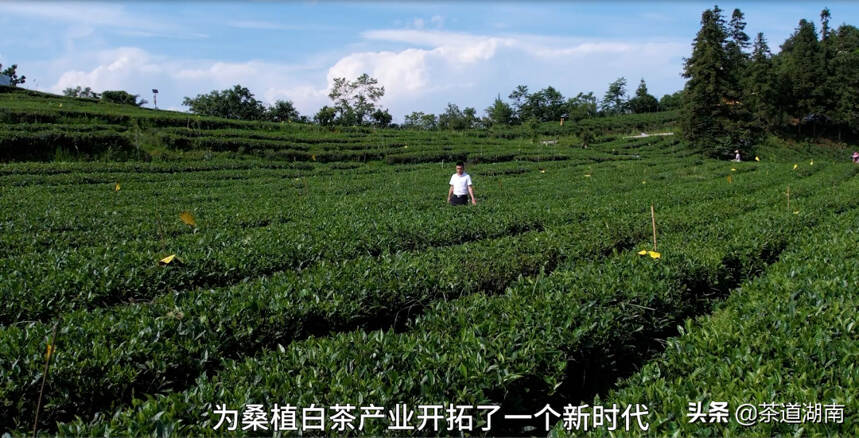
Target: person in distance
<point>460,187</point>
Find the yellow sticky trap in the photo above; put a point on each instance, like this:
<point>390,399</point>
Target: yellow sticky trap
<point>49,352</point>
<point>188,218</point>
<point>757,159</point>
<point>116,187</point>
<point>654,255</point>
<point>169,259</point>
<point>642,252</point>
<point>795,166</point>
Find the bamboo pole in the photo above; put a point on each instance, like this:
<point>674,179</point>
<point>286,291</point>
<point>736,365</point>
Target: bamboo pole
<point>653,222</point>
<point>48,355</point>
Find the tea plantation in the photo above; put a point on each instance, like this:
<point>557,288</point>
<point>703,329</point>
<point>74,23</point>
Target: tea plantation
<point>317,267</point>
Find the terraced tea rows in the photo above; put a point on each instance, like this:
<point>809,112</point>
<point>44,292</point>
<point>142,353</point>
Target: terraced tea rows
<point>324,267</point>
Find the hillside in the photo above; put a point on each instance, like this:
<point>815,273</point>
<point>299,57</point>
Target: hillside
<point>40,126</point>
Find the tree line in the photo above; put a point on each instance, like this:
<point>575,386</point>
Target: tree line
<point>355,103</point>
<point>737,90</point>
<point>546,105</point>
<point>111,96</point>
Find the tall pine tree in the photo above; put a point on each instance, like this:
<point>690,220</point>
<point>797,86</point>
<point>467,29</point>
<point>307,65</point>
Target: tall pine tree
<point>845,79</point>
<point>802,74</point>
<point>759,88</point>
<point>742,130</point>
<point>708,90</point>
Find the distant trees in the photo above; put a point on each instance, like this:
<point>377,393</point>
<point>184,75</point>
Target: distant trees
<point>456,119</point>
<point>233,103</point>
<point>582,106</point>
<point>499,113</point>
<point>670,102</point>
<point>12,73</point>
<point>111,96</point>
<point>80,92</point>
<point>355,101</point>
<point>419,120</point>
<point>643,102</point>
<point>240,104</point>
<point>544,105</point>
<point>325,116</point>
<point>122,97</point>
<point>381,119</point>
<point>614,100</point>
<point>283,111</point>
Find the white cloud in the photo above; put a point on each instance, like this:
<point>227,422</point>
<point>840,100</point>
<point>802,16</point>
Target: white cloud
<point>470,69</point>
<point>401,73</point>
<point>138,71</point>
<point>435,68</point>
<point>254,24</point>
<point>81,13</point>
<point>269,25</point>
<point>90,15</point>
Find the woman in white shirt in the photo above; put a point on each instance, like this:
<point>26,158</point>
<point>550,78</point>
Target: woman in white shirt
<point>460,187</point>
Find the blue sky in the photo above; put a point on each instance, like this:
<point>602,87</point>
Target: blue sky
<point>426,54</point>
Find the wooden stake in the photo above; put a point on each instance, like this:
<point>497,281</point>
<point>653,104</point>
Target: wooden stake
<point>50,354</point>
<point>653,221</point>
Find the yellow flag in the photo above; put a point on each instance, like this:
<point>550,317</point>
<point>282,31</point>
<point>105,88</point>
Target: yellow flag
<point>654,254</point>
<point>116,187</point>
<point>188,218</point>
<point>795,166</point>
<point>642,252</point>
<point>167,260</point>
<point>757,159</point>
